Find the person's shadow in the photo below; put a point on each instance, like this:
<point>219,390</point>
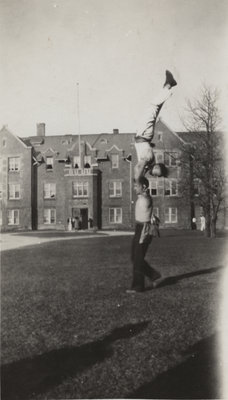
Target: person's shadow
<point>172,280</point>
<point>198,377</point>
<point>25,378</point>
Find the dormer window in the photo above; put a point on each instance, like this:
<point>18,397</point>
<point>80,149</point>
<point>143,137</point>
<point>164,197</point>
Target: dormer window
<point>87,161</point>
<point>103,141</point>
<point>159,158</point>
<point>49,162</point>
<point>76,162</point>
<point>115,161</point>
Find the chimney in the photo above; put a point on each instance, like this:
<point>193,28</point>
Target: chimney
<point>115,131</point>
<point>40,129</point>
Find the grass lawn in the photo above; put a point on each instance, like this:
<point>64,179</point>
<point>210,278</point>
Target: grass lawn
<point>69,330</point>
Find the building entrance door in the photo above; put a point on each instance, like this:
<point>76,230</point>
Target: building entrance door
<point>82,215</point>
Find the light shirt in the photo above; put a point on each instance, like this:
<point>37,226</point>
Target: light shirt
<point>143,208</point>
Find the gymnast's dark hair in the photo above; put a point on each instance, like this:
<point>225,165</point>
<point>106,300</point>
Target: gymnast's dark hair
<point>143,181</point>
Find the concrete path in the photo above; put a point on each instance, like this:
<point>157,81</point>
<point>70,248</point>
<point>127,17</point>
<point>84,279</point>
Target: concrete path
<point>16,240</point>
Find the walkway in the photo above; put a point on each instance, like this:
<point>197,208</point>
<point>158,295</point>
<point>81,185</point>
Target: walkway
<point>16,240</point>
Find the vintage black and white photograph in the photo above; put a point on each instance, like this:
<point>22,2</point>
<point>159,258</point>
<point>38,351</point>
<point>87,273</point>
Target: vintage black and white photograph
<point>114,199</point>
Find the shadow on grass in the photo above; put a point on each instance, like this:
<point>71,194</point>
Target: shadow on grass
<point>171,280</point>
<point>196,378</point>
<point>25,378</point>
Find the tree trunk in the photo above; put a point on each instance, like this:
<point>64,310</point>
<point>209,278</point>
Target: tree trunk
<point>208,223</point>
<point>213,227</point>
<point>208,230</point>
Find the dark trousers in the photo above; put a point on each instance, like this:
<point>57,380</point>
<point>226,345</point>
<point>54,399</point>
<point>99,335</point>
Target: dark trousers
<point>140,267</point>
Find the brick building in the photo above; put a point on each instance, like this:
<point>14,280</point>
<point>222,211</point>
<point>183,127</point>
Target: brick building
<point>16,173</point>
<point>48,179</point>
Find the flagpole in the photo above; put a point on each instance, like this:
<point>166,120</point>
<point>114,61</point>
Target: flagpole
<point>130,188</point>
<point>79,133</point>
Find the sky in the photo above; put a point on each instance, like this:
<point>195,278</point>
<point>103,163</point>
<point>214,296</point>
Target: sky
<point>91,66</point>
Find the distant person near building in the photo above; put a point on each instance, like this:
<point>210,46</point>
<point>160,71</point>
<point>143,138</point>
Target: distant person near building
<point>76,223</point>
<point>69,224</point>
<point>142,238</point>
<point>202,223</point>
<point>194,226</point>
<point>90,222</point>
<point>145,132</point>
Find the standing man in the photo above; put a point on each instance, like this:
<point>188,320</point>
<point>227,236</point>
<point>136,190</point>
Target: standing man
<point>142,237</point>
<point>202,223</point>
<point>194,226</point>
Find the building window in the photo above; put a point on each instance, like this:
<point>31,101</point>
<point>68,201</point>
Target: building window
<point>166,159</point>
<point>49,162</point>
<point>196,187</point>
<point>173,159</point>
<point>49,216</point>
<point>49,190</point>
<point>159,157</point>
<point>80,189</point>
<point>13,217</point>
<point>14,163</point>
<point>87,161</point>
<point>115,189</point>
<point>153,187</point>
<point>160,136</point>
<point>76,162</point>
<point>115,215</point>
<point>103,141</point>
<point>170,159</point>
<point>170,187</point>
<point>156,187</point>
<point>14,192</point>
<point>3,142</point>
<point>171,215</point>
<point>160,187</point>
<point>115,160</point>
<point>66,141</point>
<point>0,191</point>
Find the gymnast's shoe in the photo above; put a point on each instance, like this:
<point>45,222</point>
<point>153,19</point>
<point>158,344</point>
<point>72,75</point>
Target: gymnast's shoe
<point>169,79</point>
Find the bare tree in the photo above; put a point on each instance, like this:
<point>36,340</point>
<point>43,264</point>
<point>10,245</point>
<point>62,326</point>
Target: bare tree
<point>203,162</point>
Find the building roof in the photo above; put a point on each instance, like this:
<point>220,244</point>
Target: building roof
<point>189,137</point>
<point>5,131</point>
<point>194,137</point>
<point>102,143</point>
<point>63,145</point>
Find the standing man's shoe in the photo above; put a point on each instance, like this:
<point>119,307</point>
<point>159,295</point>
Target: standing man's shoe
<point>156,275</point>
